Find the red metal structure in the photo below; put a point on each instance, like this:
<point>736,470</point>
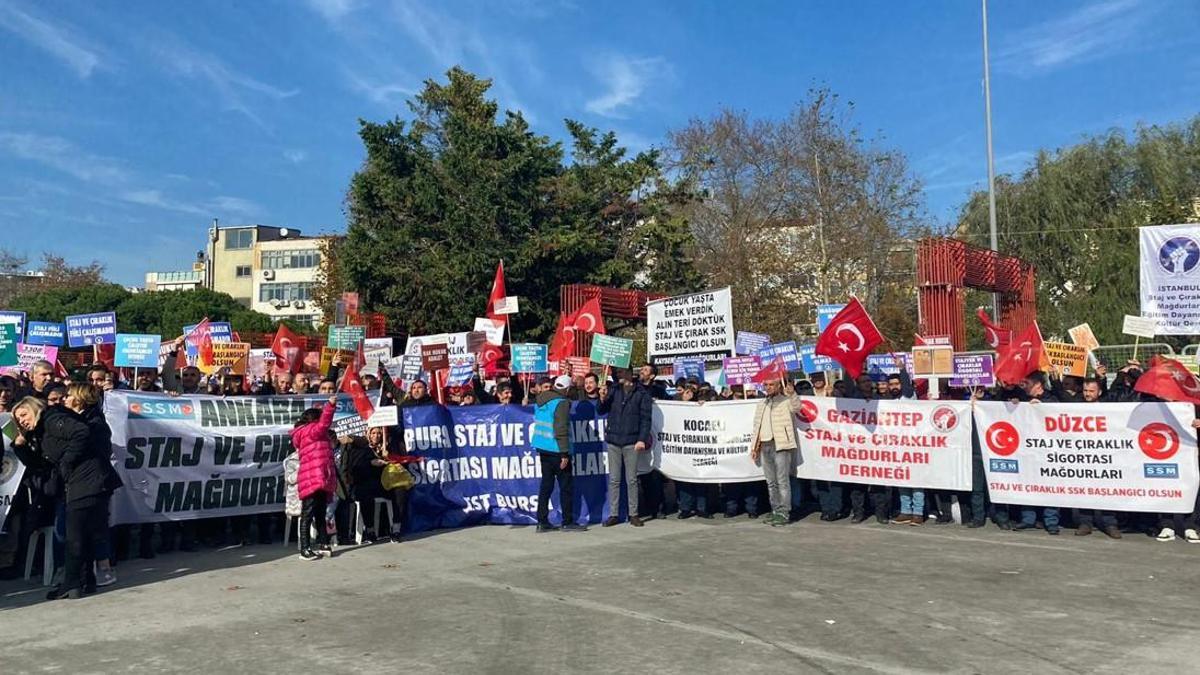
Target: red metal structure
<point>615,303</point>
<point>946,268</point>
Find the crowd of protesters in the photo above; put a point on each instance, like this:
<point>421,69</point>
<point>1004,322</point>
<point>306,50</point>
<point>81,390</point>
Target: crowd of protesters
<point>64,442</point>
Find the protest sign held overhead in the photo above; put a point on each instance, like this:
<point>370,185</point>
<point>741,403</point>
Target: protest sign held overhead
<point>346,337</point>
<point>612,351</point>
<point>529,358</point>
<point>1139,326</point>
<point>507,305</point>
<point>1068,358</point>
<point>748,344</point>
<point>137,351</point>
<point>85,330</point>
<point>435,357</point>
<point>15,318</point>
<point>689,368</point>
<point>8,344</point>
<point>782,350</point>
<point>813,363</point>
<point>740,369</point>
<point>492,329</point>
<point>1170,279</point>
<point>1083,336</point>
<point>331,357</point>
<point>27,355</point>
<point>698,325</point>
<point>973,370</point>
<point>825,314</point>
<point>45,333</point>
<point>232,355</point>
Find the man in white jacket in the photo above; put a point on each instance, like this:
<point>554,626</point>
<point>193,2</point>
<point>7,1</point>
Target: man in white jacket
<point>774,445</point>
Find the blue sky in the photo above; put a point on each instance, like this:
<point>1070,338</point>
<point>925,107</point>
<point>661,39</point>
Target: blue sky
<point>126,127</point>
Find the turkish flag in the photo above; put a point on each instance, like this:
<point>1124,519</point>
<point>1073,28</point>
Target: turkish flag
<point>351,384</point>
<point>564,340</point>
<point>918,341</point>
<point>1169,380</point>
<point>994,335</point>
<point>850,337</point>
<point>199,334</point>
<point>498,293</point>
<point>1024,355</point>
<point>588,318</point>
<point>106,354</point>
<point>286,348</point>
<point>772,372</point>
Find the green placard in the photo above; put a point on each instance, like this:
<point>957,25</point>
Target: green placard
<point>611,351</point>
<point>8,344</point>
<point>346,337</point>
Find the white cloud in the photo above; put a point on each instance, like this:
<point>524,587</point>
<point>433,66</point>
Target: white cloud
<point>295,155</point>
<point>218,206</point>
<point>55,40</point>
<point>155,199</point>
<point>332,10</point>
<point>62,155</point>
<point>1091,32</point>
<point>625,79</point>
<point>230,85</point>
<point>380,92</point>
<point>235,205</point>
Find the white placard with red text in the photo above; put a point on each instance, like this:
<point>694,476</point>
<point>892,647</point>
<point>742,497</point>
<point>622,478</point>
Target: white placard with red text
<point>1114,456</point>
<point>919,444</point>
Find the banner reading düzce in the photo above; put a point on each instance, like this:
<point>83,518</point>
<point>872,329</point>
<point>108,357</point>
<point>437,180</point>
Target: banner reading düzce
<point>1170,277</point>
<point>697,325</point>
<point>707,443</point>
<point>919,444</point>
<point>1113,456</point>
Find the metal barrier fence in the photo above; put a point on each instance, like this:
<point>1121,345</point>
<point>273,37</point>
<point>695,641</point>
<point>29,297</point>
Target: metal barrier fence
<point>1115,356</point>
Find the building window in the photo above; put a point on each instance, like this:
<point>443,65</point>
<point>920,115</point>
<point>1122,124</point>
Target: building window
<point>239,239</point>
<point>243,271</point>
<point>286,292</point>
<point>293,259</point>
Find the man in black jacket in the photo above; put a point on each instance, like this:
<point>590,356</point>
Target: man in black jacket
<point>627,434</point>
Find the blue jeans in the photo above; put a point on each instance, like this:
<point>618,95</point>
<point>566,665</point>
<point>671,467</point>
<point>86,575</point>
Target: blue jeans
<point>1049,516</point>
<point>692,496</point>
<point>797,493</point>
<point>912,502</point>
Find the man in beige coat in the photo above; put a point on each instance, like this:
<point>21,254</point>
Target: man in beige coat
<point>773,445</point>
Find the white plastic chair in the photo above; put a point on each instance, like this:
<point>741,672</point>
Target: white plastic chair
<point>380,503</point>
<point>47,535</point>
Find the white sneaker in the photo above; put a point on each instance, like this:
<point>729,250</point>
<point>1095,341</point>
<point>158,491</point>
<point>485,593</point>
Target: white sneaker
<point>105,578</point>
<point>1167,534</point>
<point>1192,536</point>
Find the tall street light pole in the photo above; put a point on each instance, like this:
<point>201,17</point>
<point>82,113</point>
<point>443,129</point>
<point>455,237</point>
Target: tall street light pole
<point>991,169</point>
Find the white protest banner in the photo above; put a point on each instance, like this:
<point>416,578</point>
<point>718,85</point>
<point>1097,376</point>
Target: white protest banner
<point>1170,278</point>
<point>1139,326</point>
<point>260,363</point>
<point>493,328</point>
<point>700,324</point>
<point>918,444</point>
<point>11,469</point>
<point>508,305</point>
<point>384,416</point>
<point>190,457</point>
<point>1117,456</point>
<point>707,443</point>
<point>412,347</point>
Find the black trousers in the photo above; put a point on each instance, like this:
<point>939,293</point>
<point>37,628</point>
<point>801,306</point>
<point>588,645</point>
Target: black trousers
<point>85,524</point>
<point>881,499</point>
<point>552,472</point>
<point>366,508</point>
<point>651,499</point>
<point>312,514</point>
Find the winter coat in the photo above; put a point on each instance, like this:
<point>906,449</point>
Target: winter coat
<point>291,500</point>
<point>629,416</point>
<point>315,449</point>
<point>362,478</point>
<point>67,442</point>
<point>777,411</point>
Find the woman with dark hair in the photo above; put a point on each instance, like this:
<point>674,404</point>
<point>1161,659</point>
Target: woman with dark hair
<point>60,438</point>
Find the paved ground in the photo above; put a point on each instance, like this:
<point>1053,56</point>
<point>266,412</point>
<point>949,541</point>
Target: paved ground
<point>694,596</point>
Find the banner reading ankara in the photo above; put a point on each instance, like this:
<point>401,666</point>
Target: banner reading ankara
<point>1114,456</point>
<point>919,444</point>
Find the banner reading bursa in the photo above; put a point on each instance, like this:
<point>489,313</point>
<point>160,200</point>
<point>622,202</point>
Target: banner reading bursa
<point>477,467</point>
<point>918,444</point>
<point>1113,456</point>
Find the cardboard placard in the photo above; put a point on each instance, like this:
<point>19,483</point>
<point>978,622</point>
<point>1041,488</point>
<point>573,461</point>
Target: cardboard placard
<point>508,305</point>
<point>973,370</point>
<point>933,361</point>
<point>384,416</point>
<point>137,351</point>
<point>1083,336</point>
<point>1070,359</point>
<point>1139,326</point>
<point>529,358</point>
<point>435,357</point>
<point>234,355</point>
<point>330,356</point>
<point>612,351</point>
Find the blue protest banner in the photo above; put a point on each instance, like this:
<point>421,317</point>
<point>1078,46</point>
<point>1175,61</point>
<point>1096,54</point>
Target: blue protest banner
<point>137,351</point>
<point>689,368</point>
<point>880,366</point>
<point>529,358</point>
<point>14,317</point>
<point>825,314</point>
<point>462,369</point>
<point>813,363</point>
<point>483,473</point>
<point>46,333</point>
<point>748,343</point>
<point>219,331</point>
<point>85,330</point>
<point>783,350</point>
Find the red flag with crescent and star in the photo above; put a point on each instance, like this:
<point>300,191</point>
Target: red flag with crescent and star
<point>563,343</point>
<point>351,384</point>
<point>1169,380</point>
<point>850,337</point>
<point>772,372</point>
<point>1025,354</point>
<point>995,336</point>
<point>498,293</point>
<point>588,318</point>
<point>286,348</point>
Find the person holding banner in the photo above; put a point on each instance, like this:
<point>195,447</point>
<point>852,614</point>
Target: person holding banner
<point>627,435</point>
<point>774,448</point>
<point>552,441</point>
<point>316,480</point>
<point>1086,519</point>
<point>1034,385</point>
<point>362,464</point>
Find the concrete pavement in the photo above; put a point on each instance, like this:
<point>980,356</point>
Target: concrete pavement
<point>674,596</point>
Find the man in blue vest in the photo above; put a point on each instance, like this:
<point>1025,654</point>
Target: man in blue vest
<point>552,440</point>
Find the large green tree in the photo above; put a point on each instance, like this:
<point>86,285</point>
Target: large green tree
<point>1075,212</point>
<point>443,196</point>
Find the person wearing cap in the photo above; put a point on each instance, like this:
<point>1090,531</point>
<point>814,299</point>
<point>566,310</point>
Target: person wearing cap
<point>627,435</point>
<point>552,440</point>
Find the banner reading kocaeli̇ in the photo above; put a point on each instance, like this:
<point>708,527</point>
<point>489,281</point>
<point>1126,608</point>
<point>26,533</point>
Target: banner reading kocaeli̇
<point>1115,456</point>
<point>705,443</point>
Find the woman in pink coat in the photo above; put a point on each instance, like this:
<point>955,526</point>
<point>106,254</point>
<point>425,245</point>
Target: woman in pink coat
<point>316,480</point>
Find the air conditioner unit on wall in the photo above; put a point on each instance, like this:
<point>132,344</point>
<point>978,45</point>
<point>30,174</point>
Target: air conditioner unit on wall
<point>268,274</point>
<point>277,303</point>
<point>298,304</point>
